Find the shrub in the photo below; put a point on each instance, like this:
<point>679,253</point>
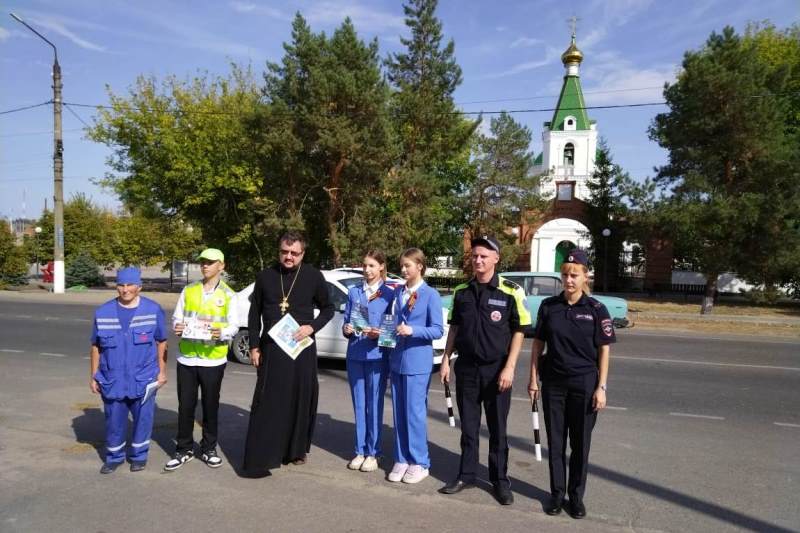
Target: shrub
<point>81,269</point>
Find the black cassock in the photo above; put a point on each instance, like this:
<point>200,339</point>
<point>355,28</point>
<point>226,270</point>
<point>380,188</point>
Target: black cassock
<point>284,406</point>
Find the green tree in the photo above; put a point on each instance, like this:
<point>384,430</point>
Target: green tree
<point>182,149</point>
<point>607,210</point>
<point>335,143</point>
<point>501,193</point>
<point>733,163</point>
<point>13,266</point>
<point>81,269</point>
<point>433,139</point>
<point>88,228</point>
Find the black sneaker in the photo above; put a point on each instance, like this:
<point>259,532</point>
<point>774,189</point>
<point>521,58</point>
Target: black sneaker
<point>107,468</point>
<point>178,460</point>
<point>211,459</point>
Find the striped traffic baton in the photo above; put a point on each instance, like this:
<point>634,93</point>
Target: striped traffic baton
<point>535,417</point>
<point>449,400</point>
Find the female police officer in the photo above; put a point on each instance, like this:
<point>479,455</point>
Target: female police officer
<point>577,330</point>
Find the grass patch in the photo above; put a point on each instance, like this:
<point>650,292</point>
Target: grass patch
<point>691,306</point>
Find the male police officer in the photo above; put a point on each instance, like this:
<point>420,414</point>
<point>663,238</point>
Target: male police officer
<point>487,318</point>
<point>128,360</point>
<point>201,362</point>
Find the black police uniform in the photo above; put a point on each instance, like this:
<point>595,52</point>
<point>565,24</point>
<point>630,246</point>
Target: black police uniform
<point>569,373</point>
<point>487,315</point>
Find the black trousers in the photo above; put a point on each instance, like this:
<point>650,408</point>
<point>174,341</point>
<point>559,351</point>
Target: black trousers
<point>209,381</point>
<point>476,386</point>
<point>568,412</point>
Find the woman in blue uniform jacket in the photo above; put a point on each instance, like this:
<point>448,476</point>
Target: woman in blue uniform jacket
<point>419,314</point>
<point>367,363</point>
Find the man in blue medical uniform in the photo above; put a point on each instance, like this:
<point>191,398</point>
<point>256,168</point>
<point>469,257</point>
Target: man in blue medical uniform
<point>128,362</point>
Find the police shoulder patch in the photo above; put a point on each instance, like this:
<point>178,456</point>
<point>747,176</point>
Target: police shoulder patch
<point>595,302</point>
<point>510,284</point>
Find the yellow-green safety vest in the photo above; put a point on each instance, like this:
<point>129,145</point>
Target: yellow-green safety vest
<point>214,308</point>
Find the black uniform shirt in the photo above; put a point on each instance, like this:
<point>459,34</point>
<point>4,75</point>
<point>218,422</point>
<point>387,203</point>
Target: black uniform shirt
<point>573,334</point>
<point>486,317</point>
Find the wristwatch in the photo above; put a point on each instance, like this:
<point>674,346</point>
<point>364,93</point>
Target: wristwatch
<point>603,388</point>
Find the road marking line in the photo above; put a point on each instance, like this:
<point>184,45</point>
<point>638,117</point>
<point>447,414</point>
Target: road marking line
<point>786,425</point>
<point>86,357</point>
<point>53,354</point>
<point>706,363</point>
<point>707,417</point>
<point>615,408</point>
<point>9,350</point>
<point>242,373</point>
<point>689,335</point>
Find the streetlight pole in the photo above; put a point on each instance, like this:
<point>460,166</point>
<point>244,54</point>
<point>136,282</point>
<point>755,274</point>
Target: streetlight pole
<point>58,168</point>
<point>36,231</point>
<point>606,235</point>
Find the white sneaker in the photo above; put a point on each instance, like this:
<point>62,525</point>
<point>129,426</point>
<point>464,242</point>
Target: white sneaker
<point>356,462</point>
<point>397,473</point>
<point>415,474</point>
<point>370,464</point>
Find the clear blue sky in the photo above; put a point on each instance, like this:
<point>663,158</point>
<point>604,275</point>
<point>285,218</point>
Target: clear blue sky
<point>509,51</point>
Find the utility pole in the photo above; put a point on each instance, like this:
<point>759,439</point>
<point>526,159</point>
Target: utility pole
<point>58,168</point>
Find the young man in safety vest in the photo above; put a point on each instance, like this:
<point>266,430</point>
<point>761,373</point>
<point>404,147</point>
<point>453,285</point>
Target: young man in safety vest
<point>206,312</point>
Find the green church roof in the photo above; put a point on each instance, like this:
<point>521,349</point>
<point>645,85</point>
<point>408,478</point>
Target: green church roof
<point>570,103</point>
<point>539,159</point>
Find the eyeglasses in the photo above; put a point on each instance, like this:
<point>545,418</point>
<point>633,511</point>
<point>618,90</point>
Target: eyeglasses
<point>291,252</point>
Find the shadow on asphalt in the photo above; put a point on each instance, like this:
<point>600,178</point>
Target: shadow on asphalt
<point>339,434</point>
<point>89,428</point>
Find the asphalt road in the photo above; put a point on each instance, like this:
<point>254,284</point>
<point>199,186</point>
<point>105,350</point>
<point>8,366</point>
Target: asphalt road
<point>700,435</point>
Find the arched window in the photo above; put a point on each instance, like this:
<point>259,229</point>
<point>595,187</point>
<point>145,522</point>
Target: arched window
<point>569,155</point>
<point>570,123</point>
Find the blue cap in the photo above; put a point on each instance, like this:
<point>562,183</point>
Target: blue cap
<point>577,256</point>
<point>129,276</point>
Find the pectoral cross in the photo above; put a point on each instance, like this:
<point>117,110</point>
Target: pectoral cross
<point>284,305</point>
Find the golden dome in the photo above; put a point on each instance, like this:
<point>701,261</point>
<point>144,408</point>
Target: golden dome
<point>572,54</point>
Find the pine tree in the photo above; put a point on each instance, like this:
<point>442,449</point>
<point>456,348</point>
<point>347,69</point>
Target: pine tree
<point>81,269</point>
<point>433,137</point>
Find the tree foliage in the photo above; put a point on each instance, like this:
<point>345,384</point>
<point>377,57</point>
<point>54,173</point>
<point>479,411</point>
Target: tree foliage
<point>733,159</point>
<point>501,192</point>
<point>181,149</point>
<point>13,265</point>
<point>609,189</point>
<point>81,269</point>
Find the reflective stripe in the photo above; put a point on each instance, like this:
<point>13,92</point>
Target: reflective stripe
<point>520,300</point>
<point>99,320</point>
<point>189,313</point>
<point>116,448</point>
<point>140,444</point>
<point>115,326</point>
<point>213,318</point>
<point>147,323</point>
<point>142,317</point>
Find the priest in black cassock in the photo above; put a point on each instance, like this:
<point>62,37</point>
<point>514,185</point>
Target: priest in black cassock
<point>284,406</point>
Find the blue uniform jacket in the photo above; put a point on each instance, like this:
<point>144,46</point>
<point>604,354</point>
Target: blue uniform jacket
<point>414,354</point>
<point>361,347</point>
<point>128,360</point>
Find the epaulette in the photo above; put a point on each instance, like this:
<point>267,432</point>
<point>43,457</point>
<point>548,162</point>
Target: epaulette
<point>595,302</point>
<point>510,284</point>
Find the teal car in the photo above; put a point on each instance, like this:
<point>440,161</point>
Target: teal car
<point>541,285</point>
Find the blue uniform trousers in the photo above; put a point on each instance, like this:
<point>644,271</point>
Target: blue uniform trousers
<point>116,412</point>
<point>367,386</point>
<point>410,408</point>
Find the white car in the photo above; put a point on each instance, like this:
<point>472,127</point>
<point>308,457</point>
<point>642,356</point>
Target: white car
<point>330,341</point>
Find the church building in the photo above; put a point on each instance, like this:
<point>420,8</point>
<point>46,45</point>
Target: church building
<point>568,161</point>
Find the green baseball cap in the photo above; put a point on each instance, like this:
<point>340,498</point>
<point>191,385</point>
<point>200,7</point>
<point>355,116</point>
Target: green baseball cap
<point>212,254</point>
